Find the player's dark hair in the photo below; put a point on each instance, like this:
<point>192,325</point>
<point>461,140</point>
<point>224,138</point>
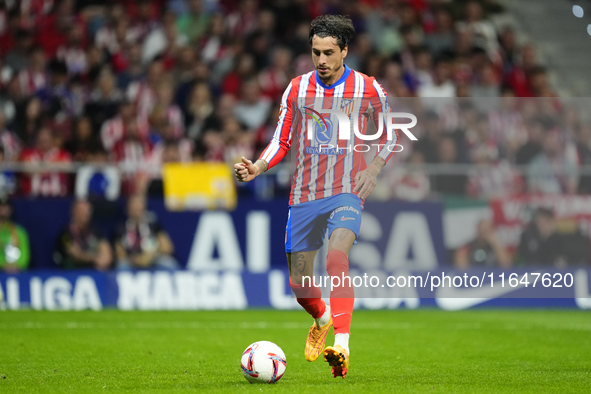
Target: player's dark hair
<point>337,26</point>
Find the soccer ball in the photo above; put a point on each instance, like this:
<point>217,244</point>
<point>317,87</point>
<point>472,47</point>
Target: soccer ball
<point>263,362</point>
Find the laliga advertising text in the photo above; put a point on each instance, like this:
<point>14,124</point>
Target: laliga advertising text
<point>441,280</point>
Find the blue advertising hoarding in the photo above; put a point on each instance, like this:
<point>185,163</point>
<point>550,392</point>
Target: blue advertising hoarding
<point>235,260</point>
<point>191,290</point>
<point>252,236</point>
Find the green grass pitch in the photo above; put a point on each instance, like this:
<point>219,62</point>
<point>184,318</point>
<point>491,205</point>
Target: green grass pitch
<point>482,351</point>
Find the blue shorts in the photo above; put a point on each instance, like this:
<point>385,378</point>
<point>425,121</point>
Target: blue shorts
<point>307,222</point>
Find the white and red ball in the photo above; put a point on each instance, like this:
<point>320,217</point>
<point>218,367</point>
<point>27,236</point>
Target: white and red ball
<point>263,362</point>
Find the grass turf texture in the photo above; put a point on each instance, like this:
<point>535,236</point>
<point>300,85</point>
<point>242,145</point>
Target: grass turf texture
<point>395,351</point>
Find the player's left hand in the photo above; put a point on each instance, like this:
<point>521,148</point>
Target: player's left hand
<point>365,181</point>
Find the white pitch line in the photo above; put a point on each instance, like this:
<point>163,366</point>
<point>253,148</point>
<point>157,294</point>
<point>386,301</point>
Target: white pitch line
<point>220,325</point>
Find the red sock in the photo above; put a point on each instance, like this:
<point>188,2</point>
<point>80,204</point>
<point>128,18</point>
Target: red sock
<point>342,297</point>
<point>310,298</point>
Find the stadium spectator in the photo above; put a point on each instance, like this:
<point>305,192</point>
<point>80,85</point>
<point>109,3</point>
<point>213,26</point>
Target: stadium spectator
<point>132,153</point>
<point>9,30</point>
<point>113,130</point>
<point>128,65</point>
<point>428,144</point>
<point>144,17</point>
<point>34,76</point>
<point>164,40</point>
<point>518,77</point>
<point>536,130</point>
<point>409,183</point>
<point>244,69</point>
<point>275,78</point>
<point>383,28</point>
<point>441,39</point>
<point>237,142</point>
<point>509,48</point>
<point>215,47</point>
<point>538,81</point>
<point>57,98</point>
<point>40,182</point>
<point>116,31</point>
<point>360,48</point>
<point>486,251</point>
<point>193,23</point>
<point>485,85</point>
<point>7,177</point>
<point>80,245</point>
<point>29,119</point>
<point>104,100</point>
<point>83,140</point>
<point>448,180</point>
<point>242,21</point>
<point>199,108</point>
<point>491,178</point>
<point>73,52</point>
<point>167,150</point>
<point>7,106</point>
<point>540,243</point>
<point>9,141</point>
<point>583,146</point>
<point>507,126</point>
<point>141,242</point>
<point>165,109</point>
<point>253,108</point>
<point>53,27</point>
<point>183,72</point>
<point>552,171</point>
<point>482,30</point>
<point>441,86</point>
<point>144,92</point>
<point>18,57</point>
<point>14,241</point>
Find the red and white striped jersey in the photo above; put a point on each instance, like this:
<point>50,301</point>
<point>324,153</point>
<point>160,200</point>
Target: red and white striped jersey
<point>31,81</point>
<point>113,130</point>
<point>47,184</point>
<point>323,172</point>
<point>11,144</point>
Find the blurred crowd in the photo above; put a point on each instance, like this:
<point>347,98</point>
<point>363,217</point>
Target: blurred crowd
<point>491,147</point>
<point>140,83</point>
<point>138,242</point>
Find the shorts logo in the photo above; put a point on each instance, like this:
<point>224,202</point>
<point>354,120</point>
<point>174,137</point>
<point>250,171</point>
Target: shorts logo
<point>348,209</point>
<point>344,218</point>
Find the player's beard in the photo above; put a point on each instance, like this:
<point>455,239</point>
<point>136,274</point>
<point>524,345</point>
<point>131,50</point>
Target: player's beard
<point>325,77</point>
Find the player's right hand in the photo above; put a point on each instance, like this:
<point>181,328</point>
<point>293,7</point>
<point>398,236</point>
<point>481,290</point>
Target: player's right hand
<point>245,171</point>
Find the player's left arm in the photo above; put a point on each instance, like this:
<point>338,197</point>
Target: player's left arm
<point>366,180</point>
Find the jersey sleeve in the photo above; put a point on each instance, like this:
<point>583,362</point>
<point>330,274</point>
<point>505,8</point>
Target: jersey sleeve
<point>281,142</point>
<point>387,146</point>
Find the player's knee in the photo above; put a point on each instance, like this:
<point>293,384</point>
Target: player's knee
<point>296,279</point>
<point>341,239</point>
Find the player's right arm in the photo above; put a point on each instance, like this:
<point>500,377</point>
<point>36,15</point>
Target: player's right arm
<point>276,150</point>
